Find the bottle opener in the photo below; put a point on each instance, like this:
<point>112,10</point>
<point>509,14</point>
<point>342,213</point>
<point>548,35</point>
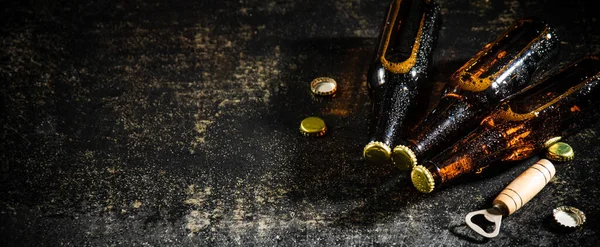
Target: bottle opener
<point>514,196</point>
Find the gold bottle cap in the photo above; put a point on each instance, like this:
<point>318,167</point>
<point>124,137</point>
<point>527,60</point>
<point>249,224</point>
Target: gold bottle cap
<point>323,86</point>
<point>568,217</point>
<point>377,152</point>
<point>313,126</point>
<point>404,158</point>
<point>560,151</point>
<point>422,179</point>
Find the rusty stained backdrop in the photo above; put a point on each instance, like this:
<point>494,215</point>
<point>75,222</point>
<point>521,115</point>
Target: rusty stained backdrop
<point>176,123</point>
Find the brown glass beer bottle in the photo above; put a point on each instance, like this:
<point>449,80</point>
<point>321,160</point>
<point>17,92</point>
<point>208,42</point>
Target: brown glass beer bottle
<point>521,126</point>
<point>400,65</point>
<point>501,69</point>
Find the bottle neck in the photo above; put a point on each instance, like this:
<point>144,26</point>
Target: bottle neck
<point>453,118</point>
<point>507,64</point>
<point>468,155</point>
<point>390,106</point>
<point>434,170</point>
<point>505,141</point>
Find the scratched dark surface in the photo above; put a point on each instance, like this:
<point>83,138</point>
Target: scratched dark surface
<point>176,123</point>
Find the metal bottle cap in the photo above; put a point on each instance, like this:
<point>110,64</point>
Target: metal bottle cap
<point>313,126</point>
<point>422,179</point>
<point>377,152</point>
<point>404,158</point>
<point>323,86</point>
<point>551,141</point>
<point>568,217</point>
<point>560,151</point>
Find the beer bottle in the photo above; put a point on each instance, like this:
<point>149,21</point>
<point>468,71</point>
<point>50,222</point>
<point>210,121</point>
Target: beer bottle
<point>501,69</point>
<point>400,65</point>
<point>533,119</point>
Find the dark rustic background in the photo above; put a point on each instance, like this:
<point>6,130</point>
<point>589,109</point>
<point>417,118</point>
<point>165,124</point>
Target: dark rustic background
<point>176,123</point>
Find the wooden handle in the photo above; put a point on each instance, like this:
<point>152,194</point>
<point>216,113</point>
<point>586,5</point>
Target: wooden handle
<point>526,186</point>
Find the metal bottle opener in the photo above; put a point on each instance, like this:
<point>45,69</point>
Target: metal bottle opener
<point>514,196</point>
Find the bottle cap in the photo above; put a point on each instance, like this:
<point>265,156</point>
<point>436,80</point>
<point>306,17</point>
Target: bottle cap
<point>551,141</point>
<point>377,152</point>
<point>323,86</point>
<point>422,179</point>
<point>313,126</point>
<point>560,151</point>
<point>568,217</point>
<point>404,158</point>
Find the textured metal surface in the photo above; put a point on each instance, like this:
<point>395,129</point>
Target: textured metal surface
<point>176,123</point>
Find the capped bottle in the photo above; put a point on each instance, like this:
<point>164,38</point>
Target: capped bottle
<point>533,119</point>
<point>501,69</point>
<point>400,65</point>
